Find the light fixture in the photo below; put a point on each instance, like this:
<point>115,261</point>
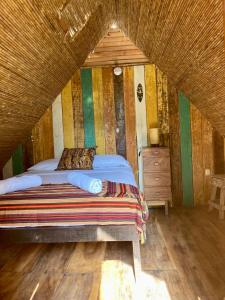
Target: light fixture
<point>114,25</point>
<point>117,71</point>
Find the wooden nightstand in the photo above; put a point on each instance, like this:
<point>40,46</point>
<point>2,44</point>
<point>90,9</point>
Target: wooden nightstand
<point>157,176</point>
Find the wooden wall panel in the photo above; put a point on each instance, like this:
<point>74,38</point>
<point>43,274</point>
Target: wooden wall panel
<point>218,146</point>
<point>7,169</point>
<point>109,111</point>
<point>197,155</point>
<point>120,116</point>
<point>151,97</point>
<point>18,160</point>
<point>42,135</point>
<point>28,153</point>
<point>67,116</point>
<point>175,154</point>
<point>48,150</point>
<point>162,98</point>
<point>88,110</point>
<point>98,110</point>
<point>77,110</point>
<point>57,127</point>
<point>130,117</point>
<point>207,150</point>
<point>141,125</point>
<point>186,150</point>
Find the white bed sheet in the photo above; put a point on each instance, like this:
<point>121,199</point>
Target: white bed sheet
<point>116,174</point>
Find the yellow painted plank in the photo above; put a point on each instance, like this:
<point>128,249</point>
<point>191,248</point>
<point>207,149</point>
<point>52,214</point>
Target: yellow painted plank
<point>151,97</point>
<point>109,111</point>
<point>67,112</point>
<point>97,87</point>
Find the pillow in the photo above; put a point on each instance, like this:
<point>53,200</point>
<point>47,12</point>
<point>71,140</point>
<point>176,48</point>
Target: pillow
<point>105,161</point>
<point>76,159</point>
<point>45,165</point>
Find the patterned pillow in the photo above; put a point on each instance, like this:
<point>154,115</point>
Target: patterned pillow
<point>77,159</point>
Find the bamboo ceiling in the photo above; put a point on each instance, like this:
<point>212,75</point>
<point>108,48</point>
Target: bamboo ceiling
<point>44,41</point>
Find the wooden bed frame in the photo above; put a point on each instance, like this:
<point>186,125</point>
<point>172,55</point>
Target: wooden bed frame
<point>86,233</point>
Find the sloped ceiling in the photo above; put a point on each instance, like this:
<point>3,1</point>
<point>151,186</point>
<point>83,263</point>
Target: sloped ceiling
<point>44,41</point>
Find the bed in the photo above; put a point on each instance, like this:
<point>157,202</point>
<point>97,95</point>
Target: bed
<point>59,212</point>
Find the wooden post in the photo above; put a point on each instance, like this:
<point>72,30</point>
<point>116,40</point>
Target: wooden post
<point>212,197</point>
<point>137,259</point>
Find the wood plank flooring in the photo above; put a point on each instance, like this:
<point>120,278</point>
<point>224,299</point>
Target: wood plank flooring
<point>184,258</point>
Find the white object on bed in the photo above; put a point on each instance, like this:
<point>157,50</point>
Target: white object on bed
<point>113,168</point>
<point>85,182</point>
<point>45,165</point>
<point>109,160</point>
<point>14,184</point>
<point>116,174</point>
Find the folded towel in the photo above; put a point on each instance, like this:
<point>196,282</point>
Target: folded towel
<point>85,182</point>
<point>19,183</point>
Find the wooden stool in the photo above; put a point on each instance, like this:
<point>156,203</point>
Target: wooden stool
<point>218,182</point>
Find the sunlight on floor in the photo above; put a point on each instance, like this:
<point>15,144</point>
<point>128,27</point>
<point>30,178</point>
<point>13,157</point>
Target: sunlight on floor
<point>117,282</point>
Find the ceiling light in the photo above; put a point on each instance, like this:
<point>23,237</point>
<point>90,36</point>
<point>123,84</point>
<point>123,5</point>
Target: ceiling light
<point>114,25</point>
<point>117,71</point>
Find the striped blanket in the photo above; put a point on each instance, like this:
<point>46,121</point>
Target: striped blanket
<point>67,205</point>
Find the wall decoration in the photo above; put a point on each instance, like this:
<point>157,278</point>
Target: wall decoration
<point>139,92</point>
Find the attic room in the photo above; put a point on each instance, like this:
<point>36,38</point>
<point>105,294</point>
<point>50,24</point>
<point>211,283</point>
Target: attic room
<point>112,170</point>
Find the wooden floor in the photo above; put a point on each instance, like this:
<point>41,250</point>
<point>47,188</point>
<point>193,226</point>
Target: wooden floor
<point>184,258</point>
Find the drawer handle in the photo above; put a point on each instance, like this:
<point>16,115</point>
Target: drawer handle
<point>157,178</point>
<point>156,152</point>
<point>156,163</point>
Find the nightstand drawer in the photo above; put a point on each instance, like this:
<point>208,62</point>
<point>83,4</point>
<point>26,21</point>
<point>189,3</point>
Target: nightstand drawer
<point>156,152</point>
<point>157,179</point>
<point>156,164</point>
<point>152,193</point>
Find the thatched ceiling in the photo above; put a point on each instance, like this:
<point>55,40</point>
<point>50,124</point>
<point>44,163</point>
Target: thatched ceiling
<point>44,41</point>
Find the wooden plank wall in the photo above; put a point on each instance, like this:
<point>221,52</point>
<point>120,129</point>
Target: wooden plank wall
<point>111,104</point>
<point>202,155</point>
<point>175,154</point>
<point>130,118</point>
<point>218,147</point>
<point>186,150</point>
<point>120,115</point>
<point>88,109</point>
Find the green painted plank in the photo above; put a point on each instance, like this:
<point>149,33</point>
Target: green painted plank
<point>88,108</point>
<point>17,161</point>
<point>186,150</point>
